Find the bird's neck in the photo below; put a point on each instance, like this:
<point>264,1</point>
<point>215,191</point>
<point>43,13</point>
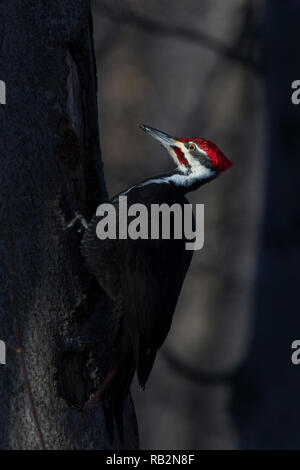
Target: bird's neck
<point>184,182</point>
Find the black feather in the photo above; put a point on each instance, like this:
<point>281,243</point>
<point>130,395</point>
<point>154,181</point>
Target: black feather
<point>144,277</point>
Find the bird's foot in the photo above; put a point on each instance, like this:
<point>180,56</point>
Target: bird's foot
<point>74,220</point>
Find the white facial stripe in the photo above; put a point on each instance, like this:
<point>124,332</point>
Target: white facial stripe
<point>200,150</point>
<point>188,175</point>
<point>189,157</point>
<point>172,152</point>
<point>198,173</point>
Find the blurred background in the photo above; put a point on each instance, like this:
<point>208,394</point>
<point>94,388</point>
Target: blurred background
<point>221,70</point>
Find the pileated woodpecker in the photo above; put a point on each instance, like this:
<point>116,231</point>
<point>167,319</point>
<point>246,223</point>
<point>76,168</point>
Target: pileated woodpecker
<point>144,277</point>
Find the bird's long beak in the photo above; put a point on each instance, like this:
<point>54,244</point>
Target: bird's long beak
<point>164,139</point>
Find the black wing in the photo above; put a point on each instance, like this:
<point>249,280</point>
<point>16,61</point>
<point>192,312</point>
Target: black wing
<point>152,274</point>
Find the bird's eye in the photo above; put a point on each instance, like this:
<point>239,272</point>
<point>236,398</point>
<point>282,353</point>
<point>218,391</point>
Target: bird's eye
<point>191,146</point>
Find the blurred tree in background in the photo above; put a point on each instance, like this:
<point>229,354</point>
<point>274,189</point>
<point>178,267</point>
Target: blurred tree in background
<point>266,391</point>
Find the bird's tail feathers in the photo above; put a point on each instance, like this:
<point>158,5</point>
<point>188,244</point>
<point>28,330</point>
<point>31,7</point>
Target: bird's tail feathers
<point>116,390</point>
<point>144,365</point>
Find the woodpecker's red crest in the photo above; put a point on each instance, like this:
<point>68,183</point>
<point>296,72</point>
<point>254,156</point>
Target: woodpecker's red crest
<point>143,276</point>
<point>218,159</point>
<point>198,160</point>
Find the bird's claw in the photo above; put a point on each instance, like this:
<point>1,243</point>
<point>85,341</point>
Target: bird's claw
<point>74,220</point>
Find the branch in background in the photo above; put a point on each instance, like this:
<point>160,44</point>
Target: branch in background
<point>247,38</point>
<point>152,26</point>
<point>15,313</point>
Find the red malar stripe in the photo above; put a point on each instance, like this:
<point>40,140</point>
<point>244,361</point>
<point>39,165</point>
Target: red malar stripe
<point>180,155</point>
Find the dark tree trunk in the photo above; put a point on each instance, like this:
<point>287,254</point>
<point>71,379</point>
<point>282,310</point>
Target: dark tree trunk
<point>55,321</point>
<point>266,403</point>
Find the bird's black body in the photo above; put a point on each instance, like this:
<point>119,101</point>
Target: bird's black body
<point>144,277</point>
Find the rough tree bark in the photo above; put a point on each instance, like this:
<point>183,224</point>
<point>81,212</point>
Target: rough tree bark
<point>56,322</point>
